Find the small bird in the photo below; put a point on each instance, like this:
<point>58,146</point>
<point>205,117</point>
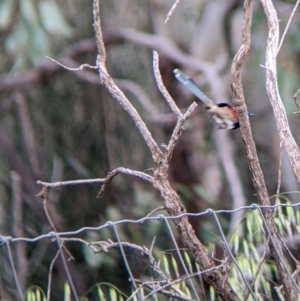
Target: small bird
<point>223,114</point>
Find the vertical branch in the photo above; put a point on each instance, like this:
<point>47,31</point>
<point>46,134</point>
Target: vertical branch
<point>238,100</point>
<point>98,33</point>
<point>256,172</point>
<point>283,128</point>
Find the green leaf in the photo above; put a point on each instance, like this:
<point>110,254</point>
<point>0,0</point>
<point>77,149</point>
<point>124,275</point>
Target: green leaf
<point>112,293</point>
<point>53,19</point>
<point>101,294</point>
<point>6,13</point>
<point>17,45</point>
<point>29,12</point>
<point>67,292</point>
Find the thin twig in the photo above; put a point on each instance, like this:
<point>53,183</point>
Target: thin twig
<point>68,183</point>
<point>171,11</point>
<point>126,171</point>
<point>258,268</point>
<point>116,93</point>
<point>152,244</point>
<point>297,102</point>
<point>155,210</point>
<point>218,267</point>
<point>50,275</point>
<point>177,133</point>
<point>162,87</point>
<point>104,246</point>
<point>43,194</point>
<point>287,25</point>
<point>279,171</point>
<point>81,67</point>
<point>176,295</point>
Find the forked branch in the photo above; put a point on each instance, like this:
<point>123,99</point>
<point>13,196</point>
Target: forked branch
<point>172,202</point>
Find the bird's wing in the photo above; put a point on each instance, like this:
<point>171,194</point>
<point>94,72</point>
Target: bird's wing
<point>191,85</point>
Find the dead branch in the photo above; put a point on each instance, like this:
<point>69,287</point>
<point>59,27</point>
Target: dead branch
<point>162,88</point>
<point>283,128</point>
<point>70,183</point>
<point>50,275</point>
<point>254,165</point>
<point>126,171</point>
<point>161,159</point>
<point>116,93</point>
<point>43,194</point>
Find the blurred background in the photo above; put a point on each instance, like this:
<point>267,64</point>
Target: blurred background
<point>59,125</point>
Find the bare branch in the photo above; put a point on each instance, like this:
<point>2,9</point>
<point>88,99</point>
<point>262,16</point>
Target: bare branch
<point>116,93</point>
<point>68,183</point>
<point>155,210</point>
<point>273,92</point>
<point>239,102</point>
<point>106,180</point>
<point>126,171</point>
<point>240,105</point>
<point>160,181</point>
<point>163,89</point>
<point>81,67</point>
<point>177,133</point>
<point>50,275</point>
<point>99,36</point>
<point>159,288</point>
<point>105,246</point>
<point>43,194</point>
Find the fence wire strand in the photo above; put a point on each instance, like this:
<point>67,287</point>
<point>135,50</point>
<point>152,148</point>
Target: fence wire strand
<point>60,237</point>
<point>59,244</point>
<point>12,264</point>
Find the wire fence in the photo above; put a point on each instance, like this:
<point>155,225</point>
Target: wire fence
<point>6,242</point>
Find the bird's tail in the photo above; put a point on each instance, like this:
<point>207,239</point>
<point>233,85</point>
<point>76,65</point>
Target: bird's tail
<point>191,85</point>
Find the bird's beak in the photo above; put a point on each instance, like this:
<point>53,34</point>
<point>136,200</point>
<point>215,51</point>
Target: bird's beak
<point>251,114</point>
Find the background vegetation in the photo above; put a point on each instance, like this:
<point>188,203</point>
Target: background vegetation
<point>58,125</point>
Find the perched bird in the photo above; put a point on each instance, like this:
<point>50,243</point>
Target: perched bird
<point>223,114</point>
